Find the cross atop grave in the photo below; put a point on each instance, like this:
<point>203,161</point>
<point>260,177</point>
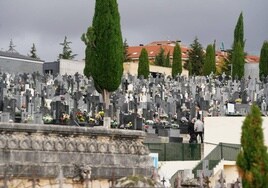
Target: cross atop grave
<point>125,85</point>
<point>77,95</point>
<point>77,80</point>
<point>222,180</point>
<point>28,96</point>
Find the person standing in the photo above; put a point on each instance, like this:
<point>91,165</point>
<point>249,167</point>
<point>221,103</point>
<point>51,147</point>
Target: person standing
<point>191,131</point>
<point>199,129</point>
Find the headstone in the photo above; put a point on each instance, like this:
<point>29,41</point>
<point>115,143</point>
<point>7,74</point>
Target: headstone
<point>5,117</point>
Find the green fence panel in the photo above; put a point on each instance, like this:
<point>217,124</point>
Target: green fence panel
<point>175,151</point>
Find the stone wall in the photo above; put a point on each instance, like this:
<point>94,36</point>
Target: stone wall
<point>14,65</point>
<point>73,153</point>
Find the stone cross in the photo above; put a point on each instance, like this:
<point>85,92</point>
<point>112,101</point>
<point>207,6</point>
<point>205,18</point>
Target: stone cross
<point>222,180</point>
<point>28,95</point>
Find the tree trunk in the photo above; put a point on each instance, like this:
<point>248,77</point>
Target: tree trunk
<point>106,101</point>
<point>106,104</point>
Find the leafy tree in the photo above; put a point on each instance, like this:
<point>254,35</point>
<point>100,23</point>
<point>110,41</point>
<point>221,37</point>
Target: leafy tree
<point>237,54</point>
<point>160,58</point>
<point>167,60</point>
<point>196,59</point>
<point>210,65</point>
<point>252,161</point>
<point>263,65</point>
<point>222,66</point>
<point>66,52</point>
<point>33,52</point>
<point>126,54</point>
<point>177,61</point>
<point>143,69</point>
<point>89,39</point>
<point>238,61</point>
<point>107,49</point>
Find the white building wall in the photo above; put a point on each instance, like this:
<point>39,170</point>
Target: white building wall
<point>71,67</point>
<point>227,130</point>
<point>252,70</point>
<point>217,129</point>
<point>132,68</point>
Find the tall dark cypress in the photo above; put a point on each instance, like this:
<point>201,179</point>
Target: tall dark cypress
<point>160,58</point>
<point>143,68</point>
<point>167,60</point>
<point>239,31</point>
<point>252,161</point>
<point>237,59</point>
<point>106,48</point>
<point>209,65</point>
<point>177,61</point>
<point>108,67</point>
<point>263,64</point>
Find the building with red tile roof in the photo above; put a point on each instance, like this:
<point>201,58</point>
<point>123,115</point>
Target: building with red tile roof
<point>154,48</point>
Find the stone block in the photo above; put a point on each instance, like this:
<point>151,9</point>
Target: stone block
<point>174,133</point>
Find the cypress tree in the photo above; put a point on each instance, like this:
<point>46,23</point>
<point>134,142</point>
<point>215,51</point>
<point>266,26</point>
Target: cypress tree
<point>177,61</point>
<point>89,39</point>
<point>143,68</point>
<point>237,55</point>
<point>160,58</point>
<point>126,54</point>
<point>238,61</point>
<point>263,64</point>
<point>107,48</point>
<point>167,60</point>
<point>239,31</point>
<point>209,65</point>
<point>252,161</point>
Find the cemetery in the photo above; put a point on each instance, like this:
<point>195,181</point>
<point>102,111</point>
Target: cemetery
<point>159,106</point>
<point>157,115</point>
<point>152,104</point>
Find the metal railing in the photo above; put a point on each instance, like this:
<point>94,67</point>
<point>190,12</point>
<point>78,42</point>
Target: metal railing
<point>175,151</point>
<point>224,151</point>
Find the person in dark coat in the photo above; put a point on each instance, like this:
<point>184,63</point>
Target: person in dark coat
<point>192,132</point>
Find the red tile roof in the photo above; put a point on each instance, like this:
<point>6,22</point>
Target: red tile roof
<point>153,50</point>
<point>252,59</point>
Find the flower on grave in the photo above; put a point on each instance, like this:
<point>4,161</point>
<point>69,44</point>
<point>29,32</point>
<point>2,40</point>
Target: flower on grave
<point>91,120</point>
<point>47,118</point>
<point>129,125</point>
<point>80,116</point>
<point>65,117</point>
<point>101,113</point>
<point>238,100</point>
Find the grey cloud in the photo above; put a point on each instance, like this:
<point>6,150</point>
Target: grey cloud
<point>45,23</point>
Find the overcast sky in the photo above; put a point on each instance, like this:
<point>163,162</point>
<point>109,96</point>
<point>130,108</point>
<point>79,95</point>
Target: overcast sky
<point>46,22</point>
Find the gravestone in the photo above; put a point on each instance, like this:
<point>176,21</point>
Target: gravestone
<point>5,117</point>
